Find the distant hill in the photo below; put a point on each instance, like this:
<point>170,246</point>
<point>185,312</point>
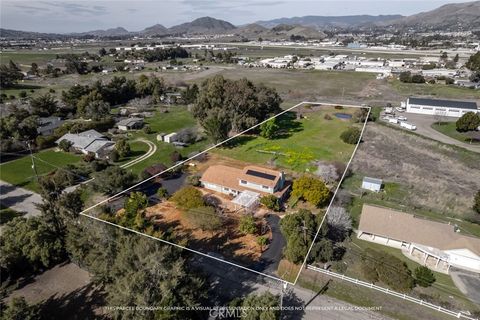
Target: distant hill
<point>255,31</point>
<point>155,30</point>
<point>16,34</point>
<point>455,16</point>
<point>113,32</point>
<point>327,22</point>
<point>202,25</point>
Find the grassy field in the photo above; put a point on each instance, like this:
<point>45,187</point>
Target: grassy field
<point>26,58</point>
<point>450,129</point>
<point>19,172</point>
<point>436,90</point>
<point>305,140</point>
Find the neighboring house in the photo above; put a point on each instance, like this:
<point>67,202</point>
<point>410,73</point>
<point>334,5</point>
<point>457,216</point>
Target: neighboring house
<point>234,181</point>
<point>449,108</point>
<point>372,184</point>
<point>130,124</point>
<point>171,137</point>
<point>89,141</point>
<point>46,126</point>
<point>434,244</point>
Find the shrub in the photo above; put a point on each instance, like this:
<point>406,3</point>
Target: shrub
<point>247,225</point>
<point>114,155</point>
<point>162,193</point>
<point>468,122</point>
<point>271,202</point>
<point>89,157</point>
<point>384,267</point>
<point>188,197</point>
<point>193,180</point>
<point>327,117</point>
<point>204,217</point>
<point>65,145</point>
<point>175,156</point>
<point>338,107</point>
<point>351,135</point>
<point>147,129</point>
<point>424,277</point>
<point>310,189</point>
<point>22,94</point>
<point>476,202</point>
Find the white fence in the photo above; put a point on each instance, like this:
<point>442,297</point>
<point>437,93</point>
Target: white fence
<point>393,293</point>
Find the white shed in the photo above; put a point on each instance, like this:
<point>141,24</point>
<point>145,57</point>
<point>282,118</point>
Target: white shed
<point>372,184</point>
<point>171,137</point>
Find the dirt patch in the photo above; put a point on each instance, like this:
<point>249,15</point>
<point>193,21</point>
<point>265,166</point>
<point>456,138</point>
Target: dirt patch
<point>64,290</point>
<point>227,241</point>
<point>436,176</point>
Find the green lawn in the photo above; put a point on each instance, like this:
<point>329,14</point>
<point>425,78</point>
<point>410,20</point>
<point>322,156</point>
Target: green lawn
<point>440,90</point>
<point>19,172</point>
<point>305,140</point>
<point>450,129</point>
<point>137,149</point>
<point>27,57</point>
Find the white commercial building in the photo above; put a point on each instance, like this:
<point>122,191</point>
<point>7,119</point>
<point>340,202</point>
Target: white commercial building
<point>449,108</point>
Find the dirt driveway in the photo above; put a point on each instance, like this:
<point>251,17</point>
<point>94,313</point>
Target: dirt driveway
<point>19,199</point>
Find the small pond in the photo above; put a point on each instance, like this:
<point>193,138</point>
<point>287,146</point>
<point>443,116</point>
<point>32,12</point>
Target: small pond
<point>342,115</point>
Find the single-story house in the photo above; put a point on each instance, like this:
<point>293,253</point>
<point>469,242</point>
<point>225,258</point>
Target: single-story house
<point>47,125</point>
<point>436,245</point>
<point>449,108</point>
<point>258,181</point>
<point>130,123</point>
<point>89,141</point>
<point>372,184</point>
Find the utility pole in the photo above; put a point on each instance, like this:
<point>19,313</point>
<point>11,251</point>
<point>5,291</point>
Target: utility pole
<point>33,161</point>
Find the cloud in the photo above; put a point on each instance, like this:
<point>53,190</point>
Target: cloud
<point>77,9</point>
<point>30,9</point>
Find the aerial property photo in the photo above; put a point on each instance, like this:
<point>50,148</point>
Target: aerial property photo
<point>243,159</point>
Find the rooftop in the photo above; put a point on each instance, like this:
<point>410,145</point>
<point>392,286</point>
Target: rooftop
<point>407,227</point>
<point>444,103</point>
<point>372,180</point>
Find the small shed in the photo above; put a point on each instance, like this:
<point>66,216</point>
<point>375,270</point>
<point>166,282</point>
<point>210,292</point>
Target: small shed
<point>171,137</point>
<point>372,184</point>
<point>130,123</point>
<point>160,136</point>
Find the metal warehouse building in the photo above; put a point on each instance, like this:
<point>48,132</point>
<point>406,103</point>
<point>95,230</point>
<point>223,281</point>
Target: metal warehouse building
<point>449,108</point>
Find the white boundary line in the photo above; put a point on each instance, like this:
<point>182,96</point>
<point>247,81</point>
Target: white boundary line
<point>84,212</point>
<point>333,197</point>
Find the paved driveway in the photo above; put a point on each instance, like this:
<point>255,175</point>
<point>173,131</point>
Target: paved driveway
<point>468,283</point>
<point>424,127</point>
<point>19,199</point>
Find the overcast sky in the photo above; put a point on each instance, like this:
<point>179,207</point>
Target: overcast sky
<point>77,16</point>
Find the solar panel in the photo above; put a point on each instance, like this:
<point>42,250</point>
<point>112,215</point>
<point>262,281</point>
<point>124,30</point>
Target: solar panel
<point>261,175</point>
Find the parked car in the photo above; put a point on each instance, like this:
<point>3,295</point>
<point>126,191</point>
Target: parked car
<point>402,118</point>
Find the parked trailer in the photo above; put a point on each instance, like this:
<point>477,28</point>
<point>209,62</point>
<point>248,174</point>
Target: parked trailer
<point>408,126</point>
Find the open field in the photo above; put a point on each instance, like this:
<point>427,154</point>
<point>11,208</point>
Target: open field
<point>438,178</point>
<point>300,142</point>
<point>27,57</point>
<point>449,129</point>
<point>19,172</point>
<point>434,90</point>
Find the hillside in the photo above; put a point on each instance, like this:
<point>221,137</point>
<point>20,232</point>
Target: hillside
<point>455,16</point>
<point>330,22</point>
<point>202,25</point>
<point>155,30</point>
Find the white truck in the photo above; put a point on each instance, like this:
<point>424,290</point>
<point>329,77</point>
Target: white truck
<point>392,120</point>
<point>408,126</point>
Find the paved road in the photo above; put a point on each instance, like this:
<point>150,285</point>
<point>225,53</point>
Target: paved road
<point>19,199</point>
<point>228,282</point>
<point>424,123</point>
